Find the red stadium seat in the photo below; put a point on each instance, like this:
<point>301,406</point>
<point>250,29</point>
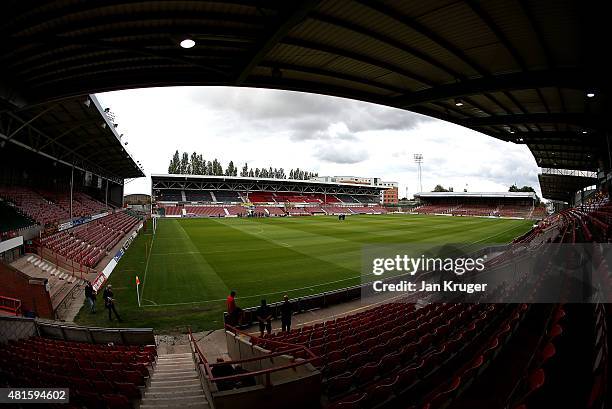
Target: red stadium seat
<point>351,402</point>
<point>129,390</point>
<point>117,401</point>
<point>339,384</point>
<point>366,373</point>
<point>103,387</point>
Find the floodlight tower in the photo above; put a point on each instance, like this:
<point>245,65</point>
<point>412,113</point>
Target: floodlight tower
<point>418,159</point>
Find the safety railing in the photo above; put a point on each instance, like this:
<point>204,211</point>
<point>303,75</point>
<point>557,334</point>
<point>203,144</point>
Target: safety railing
<point>12,305</point>
<point>307,357</point>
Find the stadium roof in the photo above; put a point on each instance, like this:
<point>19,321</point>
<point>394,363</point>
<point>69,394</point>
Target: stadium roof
<point>562,187</point>
<point>72,131</point>
<point>523,71</point>
<point>505,195</point>
<point>270,180</point>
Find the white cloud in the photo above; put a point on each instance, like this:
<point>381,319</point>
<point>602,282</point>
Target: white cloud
<point>341,153</point>
<point>328,135</point>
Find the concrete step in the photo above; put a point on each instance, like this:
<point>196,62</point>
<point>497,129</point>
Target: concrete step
<point>166,359</point>
<point>181,361</point>
<point>178,393</point>
<point>170,385</point>
<point>177,402</point>
<point>174,382</point>
<point>176,359</point>
<point>175,355</point>
<point>174,369</point>
<point>191,387</point>
<point>197,405</point>
<point>175,376</point>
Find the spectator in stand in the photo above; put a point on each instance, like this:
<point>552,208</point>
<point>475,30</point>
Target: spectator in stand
<point>264,316</point>
<point>109,302</point>
<point>90,296</point>
<point>245,381</point>
<point>286,314</point>
<point>219,371</point>
<point>234,313</point>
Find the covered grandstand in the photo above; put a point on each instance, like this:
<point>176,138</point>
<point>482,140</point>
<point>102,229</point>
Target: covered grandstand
<point>61,194</point>
<point>526,72</point>
<point>504,204</point>
<point>225,196</point>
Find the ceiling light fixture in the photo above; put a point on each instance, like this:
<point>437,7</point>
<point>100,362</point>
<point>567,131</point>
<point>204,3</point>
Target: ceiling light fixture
<point>458,102</point>
<point>590,94</point>
<point>187,43</point>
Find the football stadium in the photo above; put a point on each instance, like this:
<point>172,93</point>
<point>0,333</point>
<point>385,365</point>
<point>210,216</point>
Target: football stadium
<point>229,288</point>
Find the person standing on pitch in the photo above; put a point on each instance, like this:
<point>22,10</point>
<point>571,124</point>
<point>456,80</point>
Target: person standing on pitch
<point>109,302</point>
<point>90,296</point>
<point>264,316</point>
<point>286,314</point>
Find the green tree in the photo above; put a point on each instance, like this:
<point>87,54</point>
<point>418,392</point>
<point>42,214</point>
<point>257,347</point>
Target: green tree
<point>175,163</point>
<point>525,188</point>
<point>217,168</point>
<point>439,188</point>
<point>185,168</point>
<point>245,170</point>
<point>194,164</point>
<point>231,169</point>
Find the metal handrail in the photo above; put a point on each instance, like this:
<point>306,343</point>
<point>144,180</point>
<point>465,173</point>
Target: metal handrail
<point>15,308</point>
<point>208,366</point>
<point>201,356</point>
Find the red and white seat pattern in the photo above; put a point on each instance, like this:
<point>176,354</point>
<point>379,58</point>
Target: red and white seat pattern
<point>88,244</point>
<point>48,207</point>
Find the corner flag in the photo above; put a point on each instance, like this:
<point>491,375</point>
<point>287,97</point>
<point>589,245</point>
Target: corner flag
<point>137,292</point>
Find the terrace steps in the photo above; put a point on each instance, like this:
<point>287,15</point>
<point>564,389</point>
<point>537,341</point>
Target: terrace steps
<point>174,383</point>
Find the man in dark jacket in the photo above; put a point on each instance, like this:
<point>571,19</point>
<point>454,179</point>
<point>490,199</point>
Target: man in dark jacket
<point>286,314</point>
<point>109,302</point>
<point>264,316</point>
<point>90,296</point>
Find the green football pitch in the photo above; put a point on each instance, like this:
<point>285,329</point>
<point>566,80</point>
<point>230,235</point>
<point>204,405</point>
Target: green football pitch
<point>189,266</point>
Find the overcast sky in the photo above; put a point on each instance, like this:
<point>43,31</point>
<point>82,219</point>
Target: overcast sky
<point>328,135</point>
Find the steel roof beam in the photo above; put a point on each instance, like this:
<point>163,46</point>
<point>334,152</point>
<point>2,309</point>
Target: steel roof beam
<point>505,82</point>
<point>287,21</point>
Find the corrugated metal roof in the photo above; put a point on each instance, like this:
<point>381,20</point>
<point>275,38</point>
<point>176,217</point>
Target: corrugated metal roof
<point>511,195</point>
<point>521,68</point>
<point>271,180</point>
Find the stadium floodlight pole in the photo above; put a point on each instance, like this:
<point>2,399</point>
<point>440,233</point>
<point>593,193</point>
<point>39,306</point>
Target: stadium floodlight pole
<point>418,159</point>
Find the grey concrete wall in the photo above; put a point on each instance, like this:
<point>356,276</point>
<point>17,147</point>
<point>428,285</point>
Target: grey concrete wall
<point>14,328</point>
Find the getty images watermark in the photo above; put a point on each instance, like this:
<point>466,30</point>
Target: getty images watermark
<point>516,273</point>
<point>405,264</point>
